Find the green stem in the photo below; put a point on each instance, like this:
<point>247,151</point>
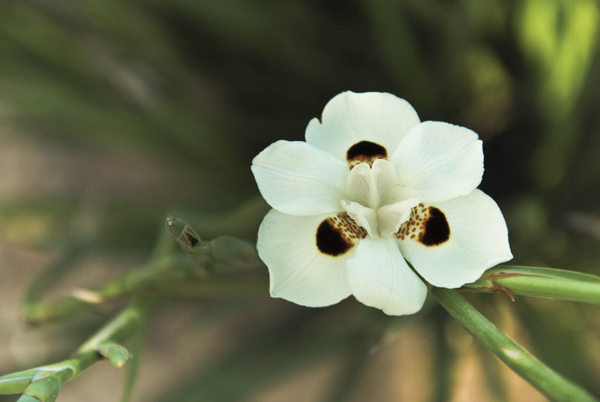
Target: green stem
<point>116,330</point>
<point>549,382</point>
<point>120,327</point>
<point>539,282</point>
<point>147,282</point>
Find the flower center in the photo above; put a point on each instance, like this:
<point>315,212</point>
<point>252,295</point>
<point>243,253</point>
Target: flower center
<point>376,201</point>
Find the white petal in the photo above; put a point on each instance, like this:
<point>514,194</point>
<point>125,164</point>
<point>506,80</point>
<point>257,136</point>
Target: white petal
<point>400,193</point>
<point>373,186</point>
<point>298,271</point>
<point>478,241</point>
<point>379,277</point>
<point>361,186</point>
<point>364,216</point>
<point>299,179</point>
<point>392,216</point>
<point>386,178</point>
<point>350,118</point>
<point>439,160</point>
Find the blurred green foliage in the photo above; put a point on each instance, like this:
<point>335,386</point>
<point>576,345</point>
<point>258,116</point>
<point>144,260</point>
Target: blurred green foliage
<point>196,88</point>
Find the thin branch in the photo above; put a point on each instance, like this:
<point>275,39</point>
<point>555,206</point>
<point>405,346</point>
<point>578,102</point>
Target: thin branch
<point>43,383</point>
<point>165,281</point>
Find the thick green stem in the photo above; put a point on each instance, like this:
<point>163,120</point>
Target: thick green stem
<point>549,382</point>
<point>539,282</point>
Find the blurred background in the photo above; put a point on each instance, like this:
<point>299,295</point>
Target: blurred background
<point>114,114</point>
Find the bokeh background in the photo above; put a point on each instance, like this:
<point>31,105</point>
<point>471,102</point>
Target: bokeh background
<point>114,114</point>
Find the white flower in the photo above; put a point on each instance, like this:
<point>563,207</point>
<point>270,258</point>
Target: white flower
<point>371,187</point>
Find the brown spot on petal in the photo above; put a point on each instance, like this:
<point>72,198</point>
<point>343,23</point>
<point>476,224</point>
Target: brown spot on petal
<point>429,222</point>
<point>413,223</point>
<point>365,152</point>
<point>335,235</point>
<point>331,240</point>
<point>437,230</point>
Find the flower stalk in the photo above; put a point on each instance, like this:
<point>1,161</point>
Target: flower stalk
<point>539,282</point>
<point>546,380</point>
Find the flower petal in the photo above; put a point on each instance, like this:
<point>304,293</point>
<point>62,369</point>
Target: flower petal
<point>299,179</point>
<point>391,217</point>
<point>379,277</point>
<point>474,239</point>
<point>361,186</point>
<point>364,216</point>
<point>440,160</point>
<point>374,185</point>
<point>350,118</point>
<point>298,270</point>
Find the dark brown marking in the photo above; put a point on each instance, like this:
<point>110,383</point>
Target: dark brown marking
<point>365,151</point>
<point>191,239</point>
<point>436,229</point>
<point>331,240</point>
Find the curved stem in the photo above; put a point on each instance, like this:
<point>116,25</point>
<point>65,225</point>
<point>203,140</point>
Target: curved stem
<point>548,381</point>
